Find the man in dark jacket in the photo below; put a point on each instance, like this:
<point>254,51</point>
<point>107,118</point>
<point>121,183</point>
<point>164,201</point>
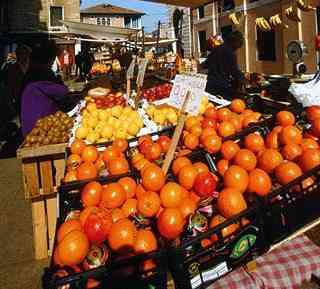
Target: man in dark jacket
<point>224,76</point>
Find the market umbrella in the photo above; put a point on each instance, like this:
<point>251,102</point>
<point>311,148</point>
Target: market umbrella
<point>185,3</point>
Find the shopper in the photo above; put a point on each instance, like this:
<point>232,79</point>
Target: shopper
<point>79,61</point>
<point>224,76</point>
<point>66,63</point>
<point>44,93</point>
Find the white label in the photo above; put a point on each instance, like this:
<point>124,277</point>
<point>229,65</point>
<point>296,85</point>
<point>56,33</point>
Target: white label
<point>130,70</point>
<point>195,281</point>
<point>142,70</point>
<point>215,272</point>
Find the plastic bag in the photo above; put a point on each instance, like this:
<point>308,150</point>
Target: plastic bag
<point>308,94</point>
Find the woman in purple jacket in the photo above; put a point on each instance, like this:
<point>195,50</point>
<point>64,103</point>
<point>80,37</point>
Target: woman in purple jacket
<point>43,92</point>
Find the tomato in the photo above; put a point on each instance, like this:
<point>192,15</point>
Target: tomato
<point>313,112</point>
<point>153,152</point>
<point>146,242</point>
<point>111,153</point>
<point>171,195</point>
<point>153,178</point>
<point>143,143</point>
<point>211,112</point>
<point>94,229</point>
<point>77,147</point>
<point>187,176</point>
<point>89,154</point>
<point>120,144</point>
<point>149,204</point>
<point>86,170</point>
<point>209,123</point>
<point>170,223</point>
<point>91,194</point>
<point>118,166</point>
<point>205,184</point>
<point>164,142</point>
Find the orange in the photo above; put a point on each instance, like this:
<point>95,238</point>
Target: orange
<point>290,134</point>
<point>316,127</point>
<point>129,185</point>
<point>153,178</point>
<point>309,143</point>
<point>86,171</point>
<point>146,242</point>
<point>211,112</point>
<point>212,144</point>
<point>89,154</point>
<point>73,248</point>
<point>187,207</point>
<point>238,105</point>
<point>149,204</point>
<point>191,141</point>
<point>179,163</point>
<point>187,176</point>
<point>269,160</point>
<point>113,196</point>
<point>190,122</point>
<point>226,231</point>
<point>153,152</point>
<point>77,147</point>
<point>201,167</point>
<point>171,195</point>
<point>285,118</point>
<point>259,182</point>
<point>254,142</point>
<point>236,177</point>
<point>223,114</point>
<point>73,162</point>
<point>226,129</point>
<point>129,207</point>
<point>67,227</point>
<point>117,214</point>
<point>229,149</point>
<point>120,144</point>
<point>118,166</point>
<point>287,171</point>
<point>122,236</point>
<point>245,159</point>
<point>231,202</point>
<point>291,151</point>
<point>111,153</point>
<point>309,159</point>
<point>222,166</point>
<point>91,194</point>
<point>170,223</point>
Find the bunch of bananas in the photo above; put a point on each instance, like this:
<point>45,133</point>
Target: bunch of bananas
<point>275,21</point>
<point>292,14</point>
<point>234,19</point>
<point>303,6</point>
<point>263,24</point>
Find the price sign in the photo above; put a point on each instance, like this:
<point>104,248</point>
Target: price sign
<point>182,84</point>
<point>130,71</point>
<point>142,71</point>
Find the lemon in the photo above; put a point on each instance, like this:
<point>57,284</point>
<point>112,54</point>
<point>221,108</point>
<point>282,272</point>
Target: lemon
<point>91,107</point>
<point>172,116</point>
<point>102,115</point>
<point>92,137</point>
<point>202,108</point>
<point>133,129</point>
<point>159,118</point>
<point>116,111</point>
<point>92,122</point>
<point>81,132</point>
<point>94,113</point>
<point>102,140</point>
<point>106,132</point>
<point>116,123</point>
<point>120,133</point>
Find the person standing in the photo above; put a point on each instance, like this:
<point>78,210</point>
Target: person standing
<point>224,75</point>
<point>78,61</point>
<point>66,63</point>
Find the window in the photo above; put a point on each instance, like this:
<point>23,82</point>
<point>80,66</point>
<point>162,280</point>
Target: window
<point>127,22</point>
<point>266,45</point>
<point>56,15</point>
<point>225,30</point>
<point>98,21</point>
<point>201,12</point>
<point>228,5</point>
<point>103,21</point>
<point>108,21</point>
<point>135,22</point>
<point>202,41</point>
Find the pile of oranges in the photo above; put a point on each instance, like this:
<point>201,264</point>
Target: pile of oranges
<point>130,215</point>
<point>208,130</point>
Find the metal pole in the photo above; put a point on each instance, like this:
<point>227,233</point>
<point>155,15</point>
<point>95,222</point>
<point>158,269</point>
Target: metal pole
<point>158,38</point>
<point>143,41</point>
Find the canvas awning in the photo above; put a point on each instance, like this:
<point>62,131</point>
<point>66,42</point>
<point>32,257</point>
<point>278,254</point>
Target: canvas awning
<point>108,33</point>
<point>185,3</point>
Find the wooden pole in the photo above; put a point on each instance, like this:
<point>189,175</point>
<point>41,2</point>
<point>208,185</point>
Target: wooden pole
<point>143,54</point>
<point>176,135</point>
<point>158,38</point>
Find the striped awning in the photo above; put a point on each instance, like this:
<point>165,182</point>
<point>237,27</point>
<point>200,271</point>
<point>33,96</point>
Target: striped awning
<point>185,3</point>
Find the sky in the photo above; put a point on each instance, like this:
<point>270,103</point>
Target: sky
<point>155,12</point>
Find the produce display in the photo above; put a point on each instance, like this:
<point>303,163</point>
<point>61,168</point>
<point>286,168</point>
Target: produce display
<point>105,124</point>
<point>157,92</point>
<point>107,101</point>
<point>100,68</point>
<point>52,129</point>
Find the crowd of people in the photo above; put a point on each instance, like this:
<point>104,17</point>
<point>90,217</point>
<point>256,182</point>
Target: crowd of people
<point>32,85</point>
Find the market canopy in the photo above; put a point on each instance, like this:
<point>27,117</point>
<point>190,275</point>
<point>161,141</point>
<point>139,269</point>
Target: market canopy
<point>109,33</point>
<point>185,3</point>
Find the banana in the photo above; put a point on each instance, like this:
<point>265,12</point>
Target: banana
<point>304,7</point>
<point>263,24</point>
<point>233,18</point>
<point>292,14</point>
<point>275,21</point>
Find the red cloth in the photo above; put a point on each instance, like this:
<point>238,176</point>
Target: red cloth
<point>283,268</point>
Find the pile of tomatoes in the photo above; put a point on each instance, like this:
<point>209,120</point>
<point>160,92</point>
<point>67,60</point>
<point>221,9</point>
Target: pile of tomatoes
<point>110,100</point>
<point>86,162</point>
<point>131,215</point>
<point>157,92</point>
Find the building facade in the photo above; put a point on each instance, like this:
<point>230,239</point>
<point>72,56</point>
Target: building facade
<point>263,52</point>
<point>110,15</point>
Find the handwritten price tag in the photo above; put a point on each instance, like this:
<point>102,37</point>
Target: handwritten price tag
<point>142,71</point>
<point>130,71</point>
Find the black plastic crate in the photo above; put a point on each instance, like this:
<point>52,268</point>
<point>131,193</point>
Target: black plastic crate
<point>291,207</point>
<point>118,272</point>
<point>194,266</point>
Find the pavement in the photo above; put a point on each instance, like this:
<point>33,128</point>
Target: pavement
<point>18,269</point>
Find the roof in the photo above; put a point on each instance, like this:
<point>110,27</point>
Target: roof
<point>110,10</point>
<point>185,3</point>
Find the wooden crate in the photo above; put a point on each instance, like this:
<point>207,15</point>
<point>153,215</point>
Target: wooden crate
<point>42,171</point>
